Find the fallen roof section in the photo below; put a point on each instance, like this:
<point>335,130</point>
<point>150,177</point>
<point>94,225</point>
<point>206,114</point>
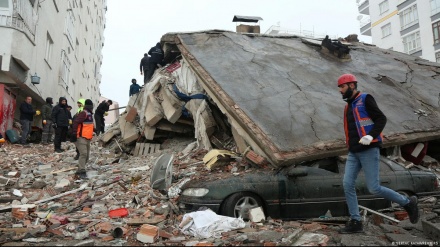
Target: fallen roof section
<point>281,93</point>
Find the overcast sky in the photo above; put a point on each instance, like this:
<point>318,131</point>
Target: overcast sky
<point>134,26</point>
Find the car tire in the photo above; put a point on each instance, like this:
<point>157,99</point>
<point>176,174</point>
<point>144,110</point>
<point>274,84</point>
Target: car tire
<point>239,204</point>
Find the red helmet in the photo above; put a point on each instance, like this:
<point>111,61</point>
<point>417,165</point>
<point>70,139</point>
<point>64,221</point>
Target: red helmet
<point>346,78</point>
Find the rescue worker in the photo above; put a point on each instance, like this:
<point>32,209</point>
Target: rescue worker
<point>46,115</point>
<point>26,117</point>
<point>363,125</point>
<point>101,111</point>
<point>144,67</point>
<point>82,134</point>
<point>134,87</point>
<point>80,103</point>
<point>60,117</point>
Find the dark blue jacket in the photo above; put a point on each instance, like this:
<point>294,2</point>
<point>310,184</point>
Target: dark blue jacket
<point>26,111</point>
<point>156,54</point>
<point>60,114</point>
<point>134,89</point>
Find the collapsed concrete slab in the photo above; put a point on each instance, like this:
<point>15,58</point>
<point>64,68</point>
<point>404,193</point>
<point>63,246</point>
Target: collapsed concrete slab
<point>281,92</point>
<point>277,96</point>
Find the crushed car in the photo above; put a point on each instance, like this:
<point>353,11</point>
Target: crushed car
<point>307,190</point>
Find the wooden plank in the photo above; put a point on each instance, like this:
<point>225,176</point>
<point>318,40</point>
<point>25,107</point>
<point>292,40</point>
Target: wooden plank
<point>141,149</point>
<point>136,149</point>
<point>147,148</point>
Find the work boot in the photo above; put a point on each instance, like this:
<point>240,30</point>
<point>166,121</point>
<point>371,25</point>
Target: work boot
<point>59,150</point>
<point>76,156</point>
<point>412,209</point>
<point>352,226</point>
<point>81,175</point>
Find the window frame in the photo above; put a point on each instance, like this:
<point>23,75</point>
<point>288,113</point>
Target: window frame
<point>435,7</point>
<point>384,27</point>
<point>383,4</point>
<point>415,43</point>
<point>436,32</point>
<point>408,17</point>
<point>49,48</point>
<point>437,57</point>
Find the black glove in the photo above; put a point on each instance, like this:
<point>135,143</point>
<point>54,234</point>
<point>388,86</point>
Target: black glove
<point>54,125</point>
<point>73,138</point>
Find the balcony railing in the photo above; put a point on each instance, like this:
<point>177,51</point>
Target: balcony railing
<point>18,24</point>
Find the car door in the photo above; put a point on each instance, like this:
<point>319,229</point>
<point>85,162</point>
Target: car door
<point>314,194</point>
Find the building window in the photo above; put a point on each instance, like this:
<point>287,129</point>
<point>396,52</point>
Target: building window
<point>383,7</point>
<point>437,57</point>
<point>77,50</point>
<point>49,47</point>
<point>436,32</point>
<point>408,17</point>
<point>386,30</point>
<point>70,25</point>
<point>4,4</point>
<point>65,71</point>
<point>411,43</point>
<point>435,7</point>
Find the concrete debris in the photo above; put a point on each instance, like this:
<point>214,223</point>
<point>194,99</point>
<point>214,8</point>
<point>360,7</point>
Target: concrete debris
<point>171,133</point>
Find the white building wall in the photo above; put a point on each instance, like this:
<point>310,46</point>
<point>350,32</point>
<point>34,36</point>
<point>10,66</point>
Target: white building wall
<point>395,40</point>
<point>51,19</point>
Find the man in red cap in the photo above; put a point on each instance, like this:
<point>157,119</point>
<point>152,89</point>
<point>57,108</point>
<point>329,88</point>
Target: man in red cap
<point>363,125</point>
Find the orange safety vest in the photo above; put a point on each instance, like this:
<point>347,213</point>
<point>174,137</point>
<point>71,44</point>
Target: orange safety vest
<point>85,129</point>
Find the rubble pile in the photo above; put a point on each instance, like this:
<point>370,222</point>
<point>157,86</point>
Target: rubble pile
<point>42,204</point>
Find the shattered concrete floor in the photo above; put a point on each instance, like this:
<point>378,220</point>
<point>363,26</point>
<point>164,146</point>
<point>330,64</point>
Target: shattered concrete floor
<point>61,211</point>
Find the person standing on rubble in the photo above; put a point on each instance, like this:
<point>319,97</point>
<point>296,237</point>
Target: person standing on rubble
<point>144,67</point>
<point>80,103</point>
<point>156,59</point>
<point>134,87</point>
<point>60,118</point>
<point>46,115</point>
<point>27,113</point>
<point>82,134</point>
<point>101,111</point>
<point>363,125</point>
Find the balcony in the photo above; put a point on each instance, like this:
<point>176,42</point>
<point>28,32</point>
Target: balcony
<point>364,7</point>
<point>366,27</point>
<point>18,24</point>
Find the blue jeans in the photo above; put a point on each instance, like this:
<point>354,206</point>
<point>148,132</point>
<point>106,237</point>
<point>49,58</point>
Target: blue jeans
<point>367,160</point>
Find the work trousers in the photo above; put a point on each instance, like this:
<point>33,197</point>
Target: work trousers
<point>25,130</point>
<point>60,134</point>
<point>151,67</point>
<point>99,124</point>
<point>83,146</point>
<point>368,161</point>
<point>47,132</point>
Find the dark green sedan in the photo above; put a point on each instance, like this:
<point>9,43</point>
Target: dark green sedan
<point>308,190</point>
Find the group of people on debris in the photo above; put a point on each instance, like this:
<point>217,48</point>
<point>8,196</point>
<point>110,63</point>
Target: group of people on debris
<point>149,63</point>
<point>80,127</point>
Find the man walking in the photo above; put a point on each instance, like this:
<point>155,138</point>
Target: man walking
<point>46,115</point>
<point>363,125</point>
<point>82,134</point>
<point>134,87</point>
<point>60,118</point>
<point>101,110</point>
<point>144,67</point>
<point>26,117</point>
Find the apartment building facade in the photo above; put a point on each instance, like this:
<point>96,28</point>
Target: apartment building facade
<point>409,26</point>
<point>49,48</point>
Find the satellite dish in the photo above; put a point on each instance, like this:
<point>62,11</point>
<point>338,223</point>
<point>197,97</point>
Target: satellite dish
<point>359,17</point>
